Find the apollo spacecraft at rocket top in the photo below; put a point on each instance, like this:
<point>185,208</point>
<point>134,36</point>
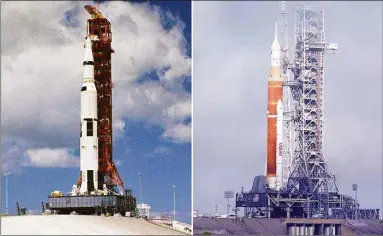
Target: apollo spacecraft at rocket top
<point>88,133</point>
<point>274,119</point>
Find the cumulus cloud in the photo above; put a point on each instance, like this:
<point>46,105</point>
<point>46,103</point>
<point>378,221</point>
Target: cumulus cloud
<point>231,62</point>
<point>118,128</point>
<point>13,154</point>
<point>155,104</point>
<point>8,153</point>
<point>179,133</point>
<point>53,158</point>
<point>42,67</point>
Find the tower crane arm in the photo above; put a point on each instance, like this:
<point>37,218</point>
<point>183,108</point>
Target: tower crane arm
<point>93,11</point>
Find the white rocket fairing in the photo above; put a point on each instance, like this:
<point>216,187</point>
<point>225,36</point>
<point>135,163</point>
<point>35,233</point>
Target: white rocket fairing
<point>279,146</point>
<point>88,134</point>
<point>275,51</point>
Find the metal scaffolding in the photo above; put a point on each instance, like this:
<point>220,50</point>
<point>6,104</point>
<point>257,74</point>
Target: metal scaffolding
<point>309,171</point>
<point>310,190</point>
<point>282,29</point>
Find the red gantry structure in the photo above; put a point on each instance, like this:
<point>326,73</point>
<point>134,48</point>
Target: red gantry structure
<point>99,30</point>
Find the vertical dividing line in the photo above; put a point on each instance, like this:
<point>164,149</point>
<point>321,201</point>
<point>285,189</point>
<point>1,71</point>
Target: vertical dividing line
<point>192,121</point>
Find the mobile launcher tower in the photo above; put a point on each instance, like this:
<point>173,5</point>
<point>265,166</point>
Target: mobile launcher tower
<point>309,190</point>
<point>99,187</point>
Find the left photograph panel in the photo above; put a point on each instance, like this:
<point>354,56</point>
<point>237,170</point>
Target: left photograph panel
<point>96,117</point>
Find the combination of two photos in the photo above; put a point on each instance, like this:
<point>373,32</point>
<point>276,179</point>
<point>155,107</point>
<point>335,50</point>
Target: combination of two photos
<point>191,118</point>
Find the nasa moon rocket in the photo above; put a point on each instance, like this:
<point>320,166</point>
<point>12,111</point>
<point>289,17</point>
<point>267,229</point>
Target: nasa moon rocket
<point>88,133</point>
<point>274,119</point>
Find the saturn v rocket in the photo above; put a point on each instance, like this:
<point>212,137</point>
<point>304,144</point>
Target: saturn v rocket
<point>274,119</point>
<point>88,133</point>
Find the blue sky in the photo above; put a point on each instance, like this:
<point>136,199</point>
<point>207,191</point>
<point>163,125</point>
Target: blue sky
<point>146,141</point>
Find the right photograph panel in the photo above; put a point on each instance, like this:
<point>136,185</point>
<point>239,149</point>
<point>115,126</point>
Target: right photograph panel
<point>287,118</point>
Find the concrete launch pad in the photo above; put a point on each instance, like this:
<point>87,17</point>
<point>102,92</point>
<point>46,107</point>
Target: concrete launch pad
<point>79,225</point>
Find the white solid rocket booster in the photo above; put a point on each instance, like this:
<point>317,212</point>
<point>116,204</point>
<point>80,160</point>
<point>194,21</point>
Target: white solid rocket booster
<point>88,134</point>
<point>279,145</point>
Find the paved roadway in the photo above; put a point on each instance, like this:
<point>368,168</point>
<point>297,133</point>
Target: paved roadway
<point>79,225</point>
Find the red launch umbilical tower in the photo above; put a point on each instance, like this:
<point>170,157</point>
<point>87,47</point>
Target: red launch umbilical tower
<point>99,29</point>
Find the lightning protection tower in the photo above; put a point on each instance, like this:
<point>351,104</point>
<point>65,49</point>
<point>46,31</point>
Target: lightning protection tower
<point>228,195</point>
<point>310,174</point>
<point>282,29</point>
<point>215,208</point>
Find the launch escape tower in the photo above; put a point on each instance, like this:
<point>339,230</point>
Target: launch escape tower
<point>110,195</point>
<point>310,190</point>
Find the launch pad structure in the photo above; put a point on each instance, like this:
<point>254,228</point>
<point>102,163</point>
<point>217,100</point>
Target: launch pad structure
<point>309,189</point>
<point>110,194</point>
<point>100,27</point>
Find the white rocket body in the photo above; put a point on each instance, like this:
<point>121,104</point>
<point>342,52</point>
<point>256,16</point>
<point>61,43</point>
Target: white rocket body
<point>88,134</point>
<point>279,146</point>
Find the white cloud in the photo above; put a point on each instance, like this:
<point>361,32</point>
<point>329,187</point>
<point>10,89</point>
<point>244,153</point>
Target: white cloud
<point>118,128</point>
<point>118,162</point>
<point>178,111</point>
<point>52,158</point>
<point>13,154</point>
<point>156,104</point>
<point>42,67</point>
<point>161,150</point>
<point>178,133</point>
